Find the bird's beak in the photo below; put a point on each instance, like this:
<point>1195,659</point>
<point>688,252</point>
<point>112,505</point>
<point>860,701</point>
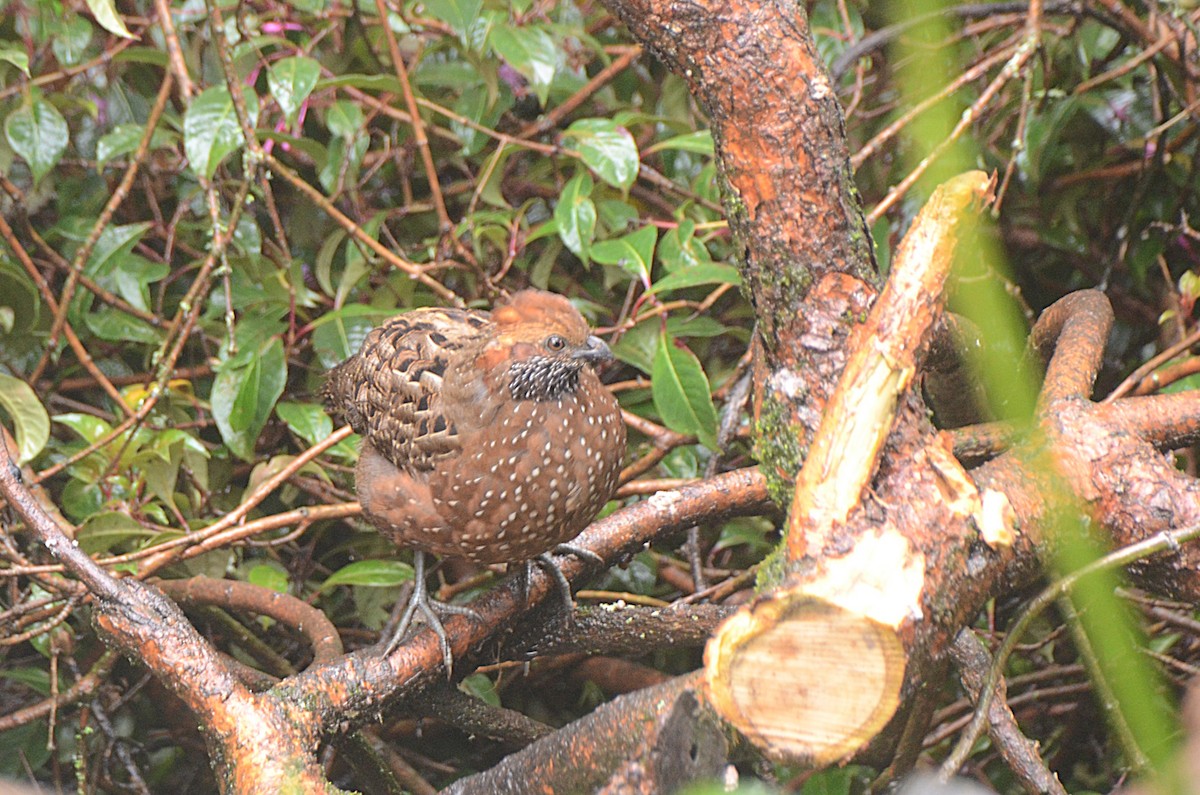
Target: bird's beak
<point>594,351</point>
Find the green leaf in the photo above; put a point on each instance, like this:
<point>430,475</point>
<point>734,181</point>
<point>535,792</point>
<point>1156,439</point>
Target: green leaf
<point>211,130</point>
<point>243,397</point>
<point>37,679</point>
<point>680,249</point>
<point>634,252</point>
<point>38,133</point>
<point>106,14</point>
<point>133,276</point>
<point>372,573</point>
<point>529,50</point>
<point>267,576</point>
<point>71,39</point>
<point>340,333</point>
<point>357,263</point>
<point>481,687</point>
<point>681,393</point>
<point>115,243</point>
<point>124,139</point>
<point>708,273</point>
<point>116,326</point>
<point>110,530</point>
<point>342,162</point>
<point>15,56</point>
<point>475,104</point>
<point>309,6</point>
<point>576,216</point>
<point>344,119</point>
<point>637,346</point>
<point>291,81</point>
<point>307,420</point>
<point>608,149</point>
<point>700,142</point>
<point>19,296</point>
<point>458,14</point>
<point>24,748</point>
<point>29,417</point>
<point>89,428</point>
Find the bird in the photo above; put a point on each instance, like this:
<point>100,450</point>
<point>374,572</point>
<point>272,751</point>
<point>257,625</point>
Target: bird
<point>485,435</point>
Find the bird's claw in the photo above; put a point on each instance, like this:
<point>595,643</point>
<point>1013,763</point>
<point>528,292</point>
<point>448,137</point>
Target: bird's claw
<point>429,608</point>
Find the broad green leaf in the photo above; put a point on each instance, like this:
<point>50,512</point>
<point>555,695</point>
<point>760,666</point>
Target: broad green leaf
<point>481,687</point>
<point>323,270</point>
<point>106,14</point>
<point>373,573</point>
<point>133,276</point>
<point>681,392</point>
<point>458,14</point>
<point>15,56</point>
<point>89,428</point>
<point>243,396</point>
<point>28,415</point>
<point>340,333</point>
<point>476,104</point>
<point>267,576</point>
<point>342,162</point>
<point>25,747</point>
<point>679,248</point>
<point>259,390</point>
<point>372,82</point>
<point>116,326</point>
<point>38,133</point>
<point>124,139</point>
<point>344,118</point>
<point>307,420</point>
<point>637,346</point>
<point>81,499</point>
<point>37,679</point>
<point>114,245</point>
<point>19,297</point>
<point>357,263</point>
<point>617,215</point>
<point>576,216</point>
<point>210,128</point>
<point>110,530</point>
<point>71,39</point>
<point>607,149</point>
<point>291,81</point>
<point>707,273</point>
<point>529,50</point>
<point>634,252</point>
<point>700,142</point>
<point>701,326</point>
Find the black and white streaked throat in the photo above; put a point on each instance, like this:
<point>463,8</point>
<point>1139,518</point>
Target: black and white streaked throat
<point>551,377</point>
<point>543,377</point>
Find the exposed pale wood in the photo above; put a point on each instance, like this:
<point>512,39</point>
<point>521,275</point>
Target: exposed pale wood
<point>812,672</point>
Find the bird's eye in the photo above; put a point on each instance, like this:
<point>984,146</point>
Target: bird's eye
<point>555,343</point>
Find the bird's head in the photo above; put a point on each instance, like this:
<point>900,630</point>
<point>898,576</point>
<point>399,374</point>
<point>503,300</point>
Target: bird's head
<point>542,342</point>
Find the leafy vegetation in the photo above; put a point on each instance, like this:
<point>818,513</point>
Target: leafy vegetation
<point>171,291</point>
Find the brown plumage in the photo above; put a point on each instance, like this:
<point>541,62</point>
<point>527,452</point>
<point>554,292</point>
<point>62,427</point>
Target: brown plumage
<point>485,436</point>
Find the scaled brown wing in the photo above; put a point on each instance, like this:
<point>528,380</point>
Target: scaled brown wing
<point>389,390</point>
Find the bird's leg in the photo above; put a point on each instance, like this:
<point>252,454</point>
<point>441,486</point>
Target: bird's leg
<point>547,563</point>
<point>579,552</point>
<point>420,600</point>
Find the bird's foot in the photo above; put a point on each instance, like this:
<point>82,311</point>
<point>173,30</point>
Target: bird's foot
<point>421,601</point>
<point>547,563</point>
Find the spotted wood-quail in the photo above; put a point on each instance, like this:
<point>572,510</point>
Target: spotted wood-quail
<point>486,436</point>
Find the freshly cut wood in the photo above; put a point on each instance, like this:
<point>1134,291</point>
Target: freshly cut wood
<point>814,670</point>
<point>804,679</point>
